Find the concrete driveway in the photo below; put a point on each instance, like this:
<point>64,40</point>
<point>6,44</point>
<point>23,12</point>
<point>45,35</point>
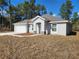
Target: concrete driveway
<point>15,34</point>
<point>8,33</point>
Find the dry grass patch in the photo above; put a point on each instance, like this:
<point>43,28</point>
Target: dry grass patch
<point>40,47</point>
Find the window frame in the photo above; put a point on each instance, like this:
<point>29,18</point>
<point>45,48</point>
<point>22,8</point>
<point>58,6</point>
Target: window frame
<point>54,27</point>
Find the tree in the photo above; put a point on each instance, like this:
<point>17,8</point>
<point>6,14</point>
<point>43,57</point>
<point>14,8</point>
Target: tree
<point>2,4</point>
<point>51,13</point>
<point>66,10</point>
<point>29,6</point>
<point>32,9</point>
<point>10,12</point>
<point>37,10</point>
<point>42,9</point>
<point>13,13</point>
<point>75,21</point>
<point>25,10</point>
<point>75,17</point>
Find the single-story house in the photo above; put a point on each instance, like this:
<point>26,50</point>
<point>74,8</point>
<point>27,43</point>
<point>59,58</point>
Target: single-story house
<point>45,24</point>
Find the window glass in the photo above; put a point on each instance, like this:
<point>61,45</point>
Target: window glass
<point>53,27</point>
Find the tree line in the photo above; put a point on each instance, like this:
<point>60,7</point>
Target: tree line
<point>66,12</point>
<point>28,9</point>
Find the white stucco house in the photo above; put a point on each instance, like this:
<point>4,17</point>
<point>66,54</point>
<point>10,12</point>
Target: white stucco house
<point>45,24</point>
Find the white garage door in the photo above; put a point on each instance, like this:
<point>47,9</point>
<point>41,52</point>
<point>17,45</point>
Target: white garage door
<point>20,28</point>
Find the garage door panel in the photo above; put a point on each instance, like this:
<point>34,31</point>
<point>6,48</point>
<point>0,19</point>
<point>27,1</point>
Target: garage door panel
<point>20,29</point>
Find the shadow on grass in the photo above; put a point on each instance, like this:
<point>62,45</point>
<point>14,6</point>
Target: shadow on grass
<point>72,33</point>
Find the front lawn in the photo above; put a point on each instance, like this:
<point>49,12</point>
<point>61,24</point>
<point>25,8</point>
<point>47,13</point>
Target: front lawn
<point>40,47</point>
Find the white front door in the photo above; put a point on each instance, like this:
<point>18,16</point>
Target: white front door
<point>38,28</point>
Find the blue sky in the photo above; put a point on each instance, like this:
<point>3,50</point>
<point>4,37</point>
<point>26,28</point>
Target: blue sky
<point>53,5</point>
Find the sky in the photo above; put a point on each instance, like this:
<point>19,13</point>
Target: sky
<point>52,5</point>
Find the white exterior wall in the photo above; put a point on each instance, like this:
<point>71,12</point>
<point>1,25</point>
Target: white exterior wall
<point>39,20</point>
<point>20,28</point>
<point>30,28</point>
<point>60,29</point>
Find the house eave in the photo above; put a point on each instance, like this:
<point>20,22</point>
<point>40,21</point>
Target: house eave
<point>65,21</point>
<point>21,23</point>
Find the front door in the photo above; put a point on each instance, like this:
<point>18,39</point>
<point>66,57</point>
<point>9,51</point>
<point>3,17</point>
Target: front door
<point>38,28</point>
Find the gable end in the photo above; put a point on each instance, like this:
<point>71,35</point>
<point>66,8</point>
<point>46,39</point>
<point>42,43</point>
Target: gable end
<point>37,18</point>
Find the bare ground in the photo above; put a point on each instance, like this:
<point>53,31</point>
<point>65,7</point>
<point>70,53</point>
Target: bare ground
<point>40,47</point>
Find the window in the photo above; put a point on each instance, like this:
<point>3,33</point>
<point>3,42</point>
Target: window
<point>53,27</point>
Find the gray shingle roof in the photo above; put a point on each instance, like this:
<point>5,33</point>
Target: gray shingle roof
<point>46,16</point>
<point>52,18</point>
<point>27,21</point>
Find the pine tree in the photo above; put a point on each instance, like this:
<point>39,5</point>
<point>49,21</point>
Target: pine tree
<point>75,21</point>
<point>51,13</point>
<point>2,4</point>
<point>66,10</point>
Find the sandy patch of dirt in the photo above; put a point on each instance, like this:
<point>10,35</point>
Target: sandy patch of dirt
<point>25,34</point>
